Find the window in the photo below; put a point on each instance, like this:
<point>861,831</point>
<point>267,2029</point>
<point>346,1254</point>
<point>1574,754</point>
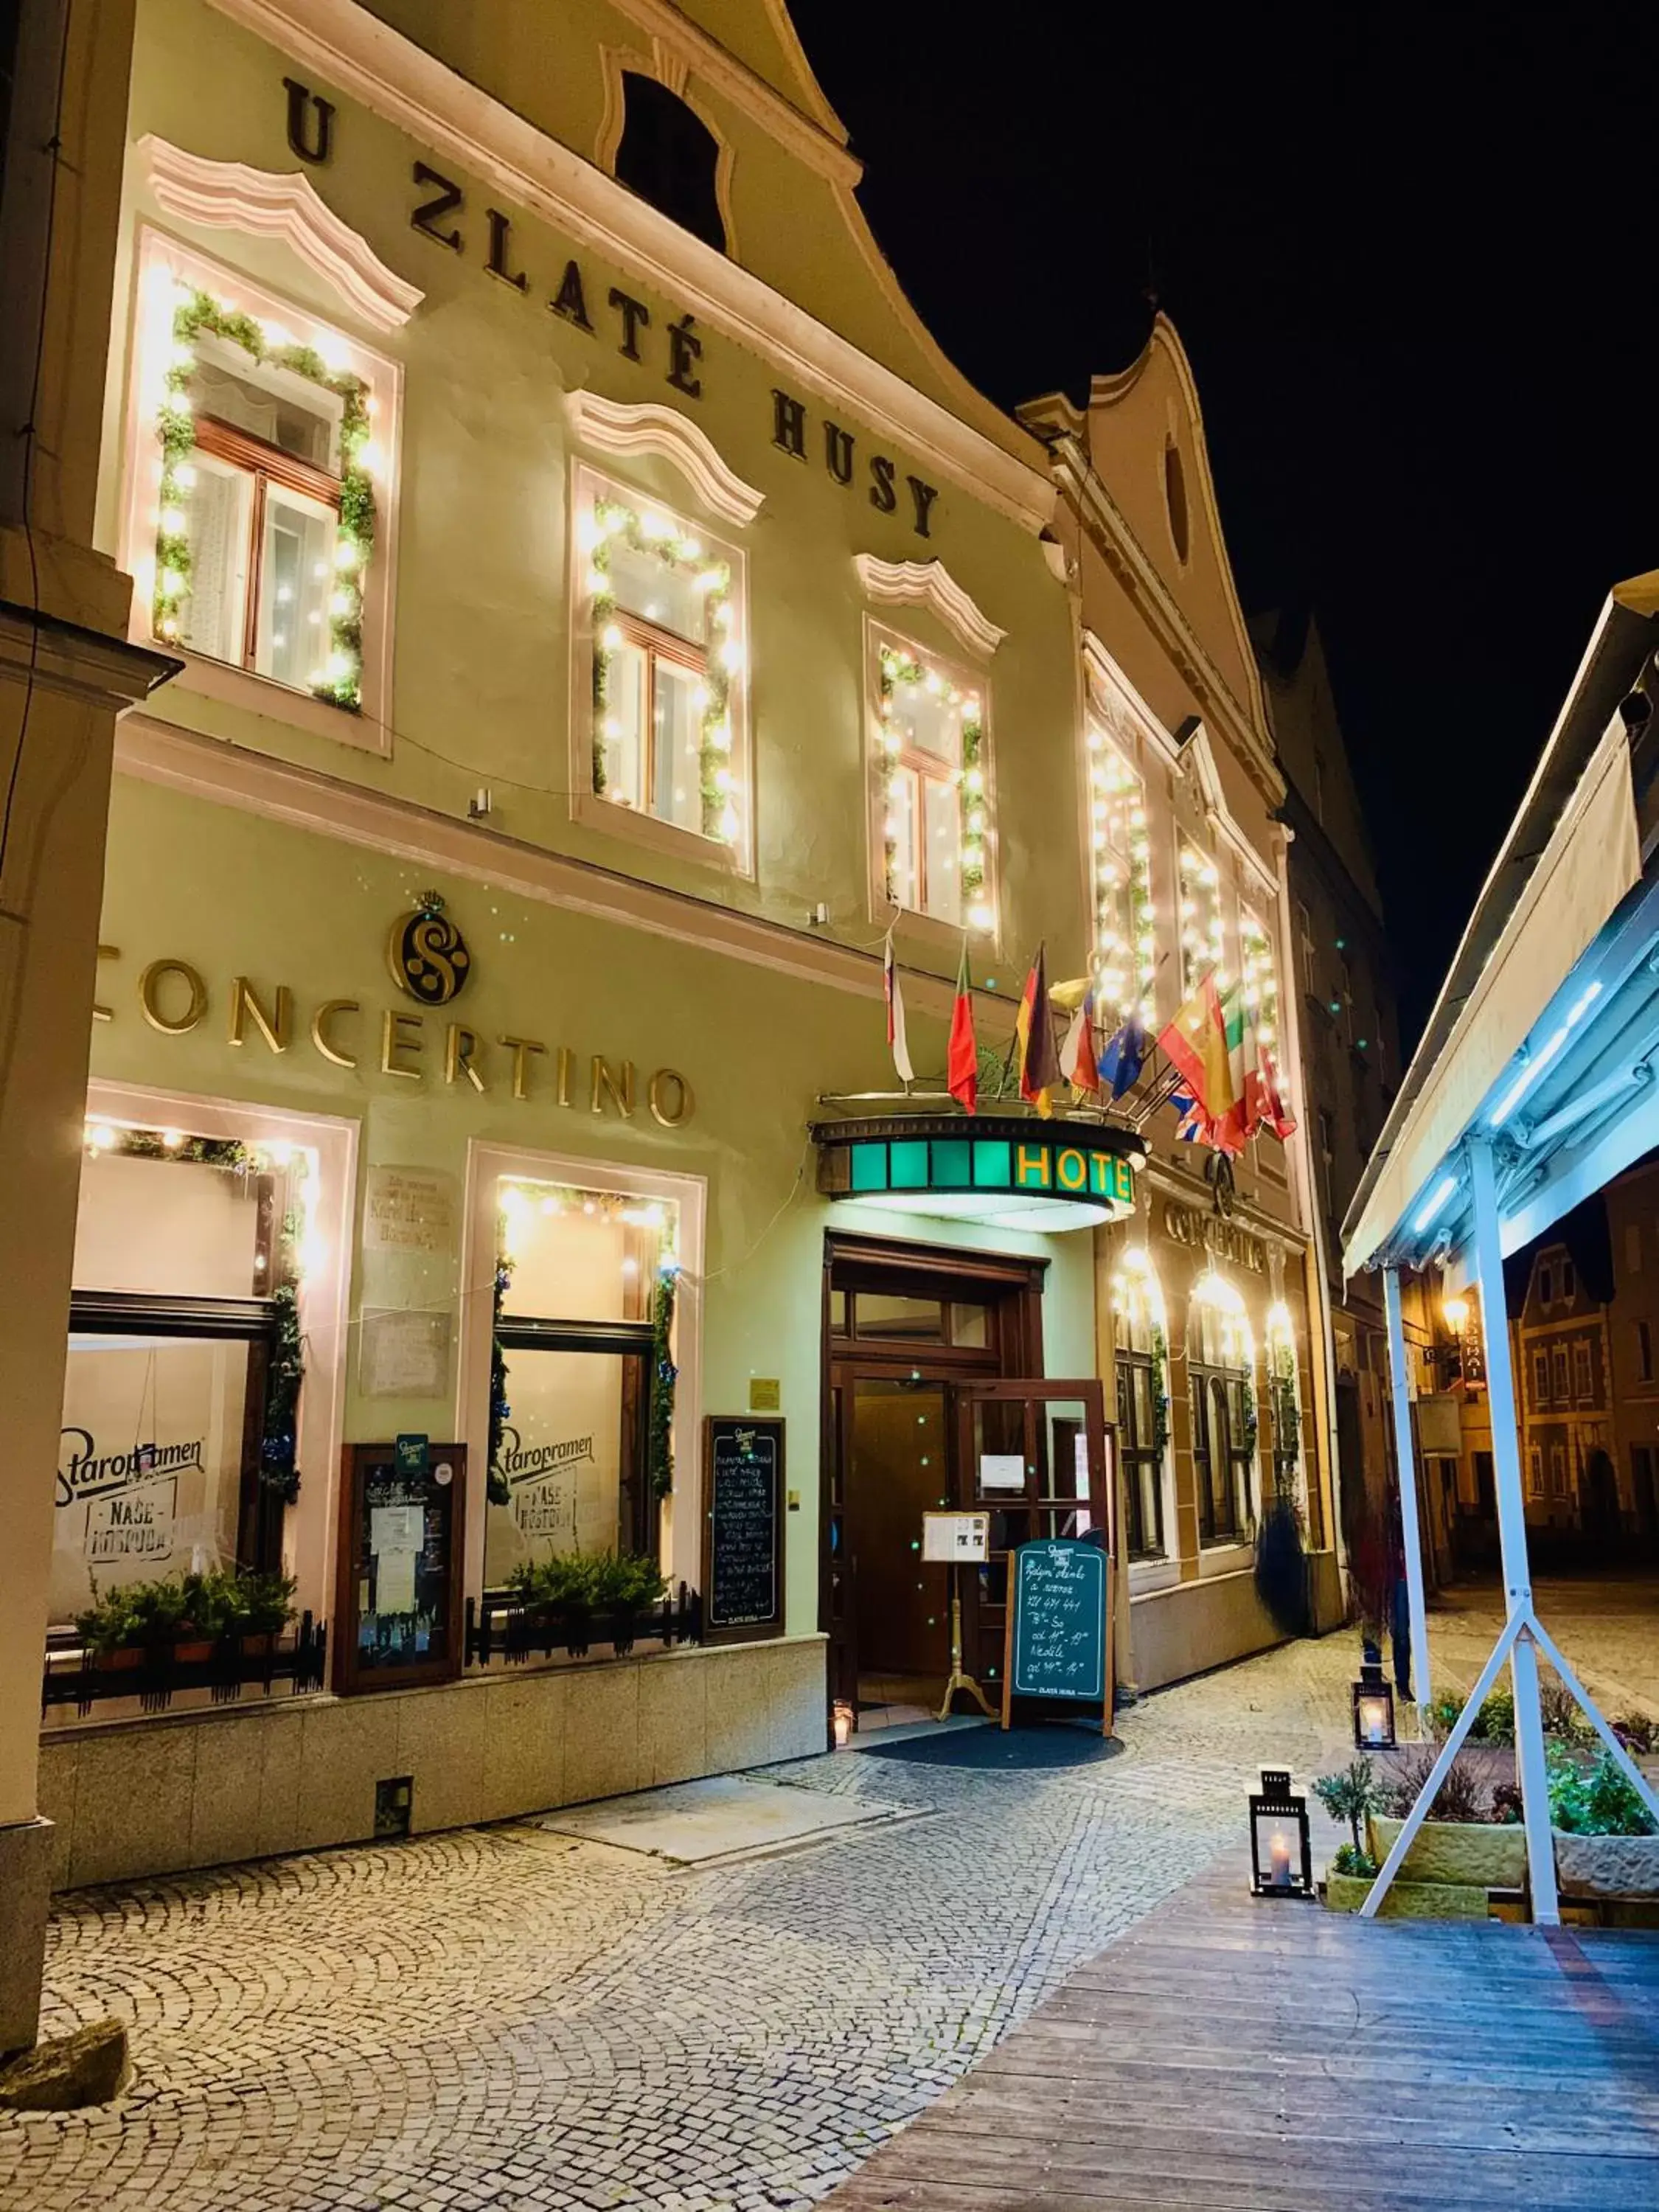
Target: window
<point>1644,1352</point>
<point>1559,1384</point>
<point>932,823</point>
<point>573,1451</point>
<point>1569,1281</point>
<point>1541,1378</point>
<point>1125,959</point>
<point>263,444</point>
<point>182,1276</point>
<point>666,618</point>
<point>1559,1470</point>
<point>1220,1363</point>
<point>1545,1287</point>
<point>1203,939</point>
<point>1632,1248</point>
<point>1174,500</point>
<point>1535,1472</point>
<point>1309,960</point>
<point>669,157</point>
<point>258,562</point>
<point>1584,1383</point>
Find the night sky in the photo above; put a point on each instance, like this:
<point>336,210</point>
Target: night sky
<point>1412,255</point>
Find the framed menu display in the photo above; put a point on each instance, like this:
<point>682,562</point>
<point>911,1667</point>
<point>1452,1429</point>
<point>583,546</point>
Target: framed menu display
<point>398,1606</point>
<point>742,1528</point>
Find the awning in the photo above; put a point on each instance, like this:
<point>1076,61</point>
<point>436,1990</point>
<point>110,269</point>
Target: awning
<point>1549,981</point>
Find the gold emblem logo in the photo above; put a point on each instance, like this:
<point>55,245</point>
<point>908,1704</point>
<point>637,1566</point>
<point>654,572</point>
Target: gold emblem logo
<point>427,955</point>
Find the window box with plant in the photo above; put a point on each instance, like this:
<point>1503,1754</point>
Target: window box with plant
<point>585,1596</point>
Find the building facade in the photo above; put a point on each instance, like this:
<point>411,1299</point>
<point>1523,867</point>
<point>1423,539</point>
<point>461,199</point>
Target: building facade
<point>66,670</point>
<point>607,622</point>
<point>1351,1031</point>
<point>1210,1289</point>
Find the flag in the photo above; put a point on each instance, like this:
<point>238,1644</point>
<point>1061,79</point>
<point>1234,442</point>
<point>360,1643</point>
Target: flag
<point>1233,1126</point>
<point>1272,1112</point>
<point>1034,1037</point>
<point>961,1065</point>
<point>1197,1044</point>
<point>1122,1057</point>
<point>1076,1055</point>
<point>894,998</point>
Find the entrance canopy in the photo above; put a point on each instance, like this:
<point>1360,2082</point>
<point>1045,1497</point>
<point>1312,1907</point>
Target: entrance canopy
<point>1544,1042</point>
<point>1005,1171</point>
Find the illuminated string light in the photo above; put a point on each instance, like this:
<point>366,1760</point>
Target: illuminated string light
<point>1126,949</point>
<point>901,668</point>
<point>611,522</point>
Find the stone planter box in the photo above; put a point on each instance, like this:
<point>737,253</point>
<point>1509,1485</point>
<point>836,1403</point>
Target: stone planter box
<point>1607,1866</point>
<point>1407,1900</point>
<point>1480,1856</point>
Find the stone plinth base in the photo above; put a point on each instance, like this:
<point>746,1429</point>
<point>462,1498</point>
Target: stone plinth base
<point>25,1864</point>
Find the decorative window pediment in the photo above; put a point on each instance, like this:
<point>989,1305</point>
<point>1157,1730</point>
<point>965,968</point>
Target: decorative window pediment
<point>231,195</point>
<point>614,427</point>
<point>930,584</point>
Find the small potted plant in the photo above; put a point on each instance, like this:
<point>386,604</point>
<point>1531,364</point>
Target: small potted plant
<point>628,1584</point>
<point>1351,1795</point>
<point>1605,1842</point>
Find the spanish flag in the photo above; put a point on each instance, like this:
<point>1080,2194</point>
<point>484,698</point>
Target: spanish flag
<point>1197,1044</point>
<point>1034,1037</point>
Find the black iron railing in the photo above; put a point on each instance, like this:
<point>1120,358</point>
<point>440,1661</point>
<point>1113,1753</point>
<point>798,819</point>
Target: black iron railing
<point>501,1626</point>
<point>156,1672</point>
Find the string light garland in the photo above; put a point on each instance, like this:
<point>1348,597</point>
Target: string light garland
<point>1260,983</point>
<point>1138,1300</point>
<point>340,680</point>
<point>1203,941</point>
<point>1125,948</point>
<point>902,667</point>
<point>662,539</point>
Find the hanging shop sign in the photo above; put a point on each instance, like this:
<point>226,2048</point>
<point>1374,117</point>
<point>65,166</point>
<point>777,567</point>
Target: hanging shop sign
<point>1002,1171</point>
<point>441,213</point>
<point>1213,1233</point>
<point>430,962</point>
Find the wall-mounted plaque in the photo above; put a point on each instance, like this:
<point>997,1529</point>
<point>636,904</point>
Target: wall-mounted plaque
<point>399,1606</point>
<point>742,1528</point>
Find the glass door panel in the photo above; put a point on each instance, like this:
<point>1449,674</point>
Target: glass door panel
<point>572,1449</point>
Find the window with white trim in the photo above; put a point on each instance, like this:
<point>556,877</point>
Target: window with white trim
<point>1203,939</point>
<point>666,626</point>
<point>930,802</point>
<point>1125,958</point>
<point>262,444</point>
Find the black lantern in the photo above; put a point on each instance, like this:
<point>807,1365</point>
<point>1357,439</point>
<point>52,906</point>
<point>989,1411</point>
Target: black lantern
<point>1281,1855</point>
<point>1373,1708</point>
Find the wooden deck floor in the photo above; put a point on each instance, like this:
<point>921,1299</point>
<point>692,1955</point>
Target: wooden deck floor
<point>1230,2056</point>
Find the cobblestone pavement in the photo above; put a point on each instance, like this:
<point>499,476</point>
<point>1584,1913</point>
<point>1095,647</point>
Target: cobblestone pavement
<point>1607,1629</point>
<point>506,2018</point>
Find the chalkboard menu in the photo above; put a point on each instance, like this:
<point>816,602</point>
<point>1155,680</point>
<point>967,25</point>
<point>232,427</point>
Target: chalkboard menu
<point>399,1610</point>
<point>743,1527</point>
<point>1057,1623</point>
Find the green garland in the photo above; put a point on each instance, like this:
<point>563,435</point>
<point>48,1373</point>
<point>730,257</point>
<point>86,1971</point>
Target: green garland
<point>341,683</point>
<point>899,667</point>
<point>1247,1407</point>
<point>497,1488</point>
<point>613,520</point>
<point>664,1377</point>
<point>1160,1391</point>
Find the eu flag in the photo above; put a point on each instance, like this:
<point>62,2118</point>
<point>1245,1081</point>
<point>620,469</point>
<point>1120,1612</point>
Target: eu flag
<point>1122,1057</point>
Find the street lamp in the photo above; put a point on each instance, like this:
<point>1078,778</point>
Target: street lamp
<point>1281,1855</point>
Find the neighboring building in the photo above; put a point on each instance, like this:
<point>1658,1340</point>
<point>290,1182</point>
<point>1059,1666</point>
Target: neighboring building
<point>1213,1285</point>
<point>66,670</point>
<point>1350,1023</point>
<point>1563,1383</point>
<point>606,618</point>
<point>1631,1331</point>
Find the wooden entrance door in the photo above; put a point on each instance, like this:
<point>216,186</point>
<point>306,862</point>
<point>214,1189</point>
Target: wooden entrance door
<point>1036,1455</point>
<point>903,1327</point>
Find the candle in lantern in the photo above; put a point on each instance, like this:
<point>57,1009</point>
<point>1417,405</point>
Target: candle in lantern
<point>1279,1854</point>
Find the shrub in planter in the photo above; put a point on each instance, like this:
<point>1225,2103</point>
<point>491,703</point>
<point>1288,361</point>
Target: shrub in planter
<point>1350,1796</point>
<point>584,1586</point>
<point>134,1617</point>
<point>1637,1733</point>
<point>1599,1801</point>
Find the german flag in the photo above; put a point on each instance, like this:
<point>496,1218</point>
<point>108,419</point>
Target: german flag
<point>1033,1036</point>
